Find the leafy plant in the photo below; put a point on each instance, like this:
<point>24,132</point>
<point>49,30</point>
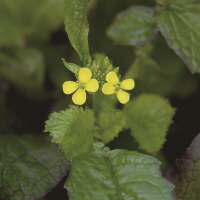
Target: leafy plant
<point>132,99</point>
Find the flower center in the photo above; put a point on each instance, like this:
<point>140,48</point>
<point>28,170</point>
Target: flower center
<point>81,85</point>
<point>117,87</point>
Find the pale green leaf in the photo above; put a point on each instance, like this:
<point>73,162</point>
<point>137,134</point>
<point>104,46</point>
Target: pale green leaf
<point>117,175</point>
<point>77,28</point>
<point>72,130</point>
<point>149,117</point>
<point>30,166</point>
<point>72,67</point>
<point>135,26</point>
<point>109,124</point>
<point>179,23</point>
<point>25,70</point>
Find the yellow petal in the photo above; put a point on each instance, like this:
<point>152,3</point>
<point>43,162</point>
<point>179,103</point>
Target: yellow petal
<point>112,77</point>
<point>69,87</point>
<point>123,97</point>
<point>84,75</point>
<point>108,88</point>
<point>92,85</point>
<point>127,84</point>
<point>79,97</point>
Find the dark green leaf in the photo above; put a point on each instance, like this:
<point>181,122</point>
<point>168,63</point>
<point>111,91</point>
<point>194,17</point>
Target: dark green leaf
<point>186,176</point>
<point>149,117</point>
<point>72,130</point>
<point>25,70</point>
<point>134,26</point>
<point>76,26</point>
<point>30,166</point>
<point>110,123</point>
<point>179,23</point>
<point>116,175</point>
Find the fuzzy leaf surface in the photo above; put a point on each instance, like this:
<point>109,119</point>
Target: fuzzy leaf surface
<point>179,23</point>
<point>117,174</point>
<point>72,130</point>
<point>149,117</point>
<point>77,28</point>
<point>30,166</point>
<point>135,26</point>
<point>110,123</point>
<point>186,176</point>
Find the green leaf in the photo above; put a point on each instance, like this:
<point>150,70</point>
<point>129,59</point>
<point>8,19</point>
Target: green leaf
<point>72,67</point>
<point>148,117</point>
<point>30,166</point>
<point>160,75</point>
<point>110,123</point>
<point>72,130</point>
<point>135,26</point>
<point>19,19</point>
<point>77,28</point>
<point>25,70</point>
<point>179,23</point>
<point>117,175</point>
<point>186,176</point>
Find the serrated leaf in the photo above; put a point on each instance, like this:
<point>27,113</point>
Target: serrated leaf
<point>30,166</point>
<point>72,130</point>
<point>161,75</point>
<point>77,28</point>
<point>179,23</point>
<point>110,123</point>
<point>135,26</point>
<point>72,67</point>
<point>116,175</point>
<point>186,176</point>
<point>25,70</point>
<point>149,117</point>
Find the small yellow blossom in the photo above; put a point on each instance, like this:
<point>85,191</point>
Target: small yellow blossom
<point>84,83</point>
<point>114,86</point>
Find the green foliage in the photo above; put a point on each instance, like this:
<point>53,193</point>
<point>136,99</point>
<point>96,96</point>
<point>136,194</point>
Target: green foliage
<point>71,67</point>
<point>148,117</point>
<point>25,70</point>
<point>117,174</point>
<point>186,176</point>
<point>29,166</point>
<point>110,123</point>
<point>155,73</point>
<point>21,18</point>
<point>72,130</point>
<point>173,21</point>
<point>76,26</point>
<point>135,26</point>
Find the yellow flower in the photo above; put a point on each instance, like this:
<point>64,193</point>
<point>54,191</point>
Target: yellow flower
<point>114,86</point>
<point>84,83</point>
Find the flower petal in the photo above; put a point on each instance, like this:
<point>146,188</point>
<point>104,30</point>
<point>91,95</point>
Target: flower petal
<point>69,87</point>
<point>127,84</point>
<point>84,75</point>
<point>112,77</point>
<point>123,97</point>
<point>108,88</point>
<point>79,97</point>
<point>92,85</point>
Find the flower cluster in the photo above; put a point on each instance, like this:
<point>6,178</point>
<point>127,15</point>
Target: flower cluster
<point>85,83</point>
